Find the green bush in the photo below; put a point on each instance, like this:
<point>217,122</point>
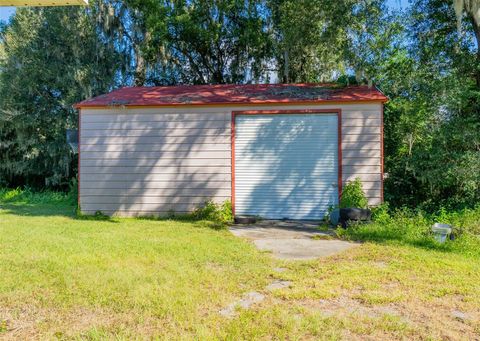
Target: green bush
<point>441,169</point>
<point>221,213</point>
<point>353,195</point>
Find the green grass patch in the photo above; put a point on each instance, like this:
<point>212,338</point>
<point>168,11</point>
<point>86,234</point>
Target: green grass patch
<point>172,274</point>
<point>28,197</point>
<point>65,276</point>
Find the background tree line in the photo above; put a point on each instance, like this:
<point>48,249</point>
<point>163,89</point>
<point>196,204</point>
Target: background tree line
<point>425,58</point>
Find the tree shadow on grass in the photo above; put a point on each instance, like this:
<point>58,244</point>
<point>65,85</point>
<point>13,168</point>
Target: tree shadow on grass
<point>187,218</point>
<point>32,210</point>
<point>63,209</point>
<point>60,209</point>
<point>25,202</point>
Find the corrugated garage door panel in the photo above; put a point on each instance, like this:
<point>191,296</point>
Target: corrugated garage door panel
<point>286,166</point>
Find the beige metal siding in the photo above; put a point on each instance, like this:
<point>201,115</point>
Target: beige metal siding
<point>155,160</point>
<point>361,148</point>
<point>153,163</point>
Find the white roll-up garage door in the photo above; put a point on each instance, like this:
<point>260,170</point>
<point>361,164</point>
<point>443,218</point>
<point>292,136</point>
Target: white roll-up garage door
<point>286,165</point>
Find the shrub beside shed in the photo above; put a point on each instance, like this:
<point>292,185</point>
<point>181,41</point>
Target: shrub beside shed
<point>274,150</point>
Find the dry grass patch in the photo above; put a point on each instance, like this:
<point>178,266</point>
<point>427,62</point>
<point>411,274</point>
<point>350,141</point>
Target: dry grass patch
<point>384,292</point>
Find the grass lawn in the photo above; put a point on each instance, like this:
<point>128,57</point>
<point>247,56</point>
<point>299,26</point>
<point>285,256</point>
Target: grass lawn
<point>69,278</point>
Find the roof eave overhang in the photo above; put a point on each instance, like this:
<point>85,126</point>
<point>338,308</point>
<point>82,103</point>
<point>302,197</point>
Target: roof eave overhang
<point>42,3</point>
<point>230,104</point>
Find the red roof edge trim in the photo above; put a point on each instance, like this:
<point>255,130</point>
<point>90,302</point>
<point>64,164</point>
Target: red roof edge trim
<point>249,94</point>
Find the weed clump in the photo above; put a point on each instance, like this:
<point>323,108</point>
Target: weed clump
<point>414,227</point>
<point>353,195</point>
<point>220,213</point>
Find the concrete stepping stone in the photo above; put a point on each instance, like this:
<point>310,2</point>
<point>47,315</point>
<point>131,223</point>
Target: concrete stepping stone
<point>280,269</point>
<point>460,316</point>
<point>245,302</point>
<point>278,284</point>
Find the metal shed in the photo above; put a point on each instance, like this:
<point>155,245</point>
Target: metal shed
<point>274,150</point>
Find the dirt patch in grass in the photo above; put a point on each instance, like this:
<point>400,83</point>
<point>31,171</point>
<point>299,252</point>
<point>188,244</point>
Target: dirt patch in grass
<point>415,319</point>
<point>345,306</point>
<point>27,322</point>
<point>30,323</point>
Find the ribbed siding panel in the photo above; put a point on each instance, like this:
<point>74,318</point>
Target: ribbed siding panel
<point>286,166</point>
<point>156,147</point>
<point>361,148</point>
<point>152,163</point>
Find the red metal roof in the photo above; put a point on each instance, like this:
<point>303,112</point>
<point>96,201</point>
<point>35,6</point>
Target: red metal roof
<point>234,94</point>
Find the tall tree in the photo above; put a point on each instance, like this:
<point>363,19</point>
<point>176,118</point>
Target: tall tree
<point>437,44</point>
<point>208,41</point>
<point>309,37</point>
<point>471,10</point>
<point>52,58</point>
<point>318,40</point>
<point>123,24</point>
<point>432,122</point>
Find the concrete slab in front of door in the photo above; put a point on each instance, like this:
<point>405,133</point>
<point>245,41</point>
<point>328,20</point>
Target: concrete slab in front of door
<point>291,240</point>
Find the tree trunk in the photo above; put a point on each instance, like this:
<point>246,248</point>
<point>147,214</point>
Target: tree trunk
<point>286,67</point>
<point>140,68</point>
<point>140,64</point>
<point>476,30</point>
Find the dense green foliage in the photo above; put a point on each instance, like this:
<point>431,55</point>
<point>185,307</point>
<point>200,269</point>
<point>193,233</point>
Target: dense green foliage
<point>415,228</point>
<point>432,141</point>
<point>51,59</point>
<point>353,195</point>
<point>425,58</point>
